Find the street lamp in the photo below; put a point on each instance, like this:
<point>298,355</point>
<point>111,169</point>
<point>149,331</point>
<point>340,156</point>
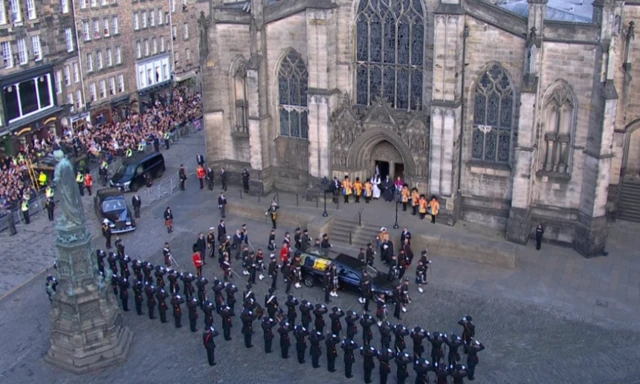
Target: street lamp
<point>396,226</point>
<point>325,213</point>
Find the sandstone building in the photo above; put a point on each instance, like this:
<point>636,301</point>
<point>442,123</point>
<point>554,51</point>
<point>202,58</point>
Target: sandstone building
<point>512,114</point>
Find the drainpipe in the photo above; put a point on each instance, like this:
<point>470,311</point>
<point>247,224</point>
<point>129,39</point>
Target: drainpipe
<point>80,64</point>
<point>465,34</point>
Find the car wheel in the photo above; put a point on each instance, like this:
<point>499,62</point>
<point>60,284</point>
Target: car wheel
<point>308,281</point>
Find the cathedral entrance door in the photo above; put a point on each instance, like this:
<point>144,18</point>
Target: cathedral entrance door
<point>383,168</point>
<point>398,171</point>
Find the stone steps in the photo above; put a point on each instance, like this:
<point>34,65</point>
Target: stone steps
<point>360,235</point>
<point>629,202</point>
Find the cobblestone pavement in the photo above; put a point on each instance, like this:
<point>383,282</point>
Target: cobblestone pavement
<point>526,342</point>
<point>31,250</point>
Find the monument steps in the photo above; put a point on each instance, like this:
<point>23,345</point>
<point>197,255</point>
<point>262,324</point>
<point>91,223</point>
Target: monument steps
<point>629,201</point>
<point>360,235</point>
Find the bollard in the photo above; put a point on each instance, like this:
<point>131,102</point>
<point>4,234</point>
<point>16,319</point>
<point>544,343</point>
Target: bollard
<point>350,240</point>
<point>297,202</point>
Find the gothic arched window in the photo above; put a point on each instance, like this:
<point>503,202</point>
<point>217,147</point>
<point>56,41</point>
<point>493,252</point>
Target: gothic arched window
<point>390,52</point>
<point>558,124</point>
<point>292,96</point>
<point>493,112</point>
<point>240,98</point>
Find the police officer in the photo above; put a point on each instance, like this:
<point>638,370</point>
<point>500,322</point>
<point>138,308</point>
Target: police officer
<point>352,328</point>
<point>271,303</point>
<point>368,353</point>
<point>207,308</point>
<point>472,358</point>
<point>335,315</point>
<point>400,331</point>
<point>367,321</point>
<point>386,330</point>
<point>50,205</point>
<point>106,232</point>
<point>100,256</point>
<point>162,305</point>
<point>417,335</point>
<point>468,332</point>
<point>300,333</point>
<point>348,346</point>
<point>402,360</point>
<point>291,304</point>
<point>247,318</point>
<point>454,342</point>
<point>124,293</point>
<point>315,350</point>
<point>436,340</point>
<point>137,296</point>
<point>210,345</point>
<point>150,291</point>
<point>192,306</point>
<point>422,368</point>
<point>267,327</point>
<point>201,285</point>
<point>331,341</point>
<point>305,313</point>
<point>385,356</point>
<point>319,313</point>
<point>284,339</point>
<point>226,314</point>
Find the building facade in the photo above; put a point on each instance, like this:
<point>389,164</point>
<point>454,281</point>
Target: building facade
<point>511,114</point>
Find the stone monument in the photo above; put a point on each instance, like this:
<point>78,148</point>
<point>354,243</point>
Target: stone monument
<point>87,330</point>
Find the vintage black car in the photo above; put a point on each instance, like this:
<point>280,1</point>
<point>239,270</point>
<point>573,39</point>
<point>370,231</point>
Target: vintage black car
<point>111,207</point>
<point>314,264</point>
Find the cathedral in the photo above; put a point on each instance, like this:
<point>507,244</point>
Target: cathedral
<point>511,113</point>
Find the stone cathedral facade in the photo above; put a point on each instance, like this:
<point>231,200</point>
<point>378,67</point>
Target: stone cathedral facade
<point>512,114</point>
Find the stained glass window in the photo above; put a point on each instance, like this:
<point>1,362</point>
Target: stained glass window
<point>389,52</point>
<point>493,117</point>
<point>292,96</point>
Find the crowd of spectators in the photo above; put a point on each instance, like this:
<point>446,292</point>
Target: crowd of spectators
<point>100,141</point>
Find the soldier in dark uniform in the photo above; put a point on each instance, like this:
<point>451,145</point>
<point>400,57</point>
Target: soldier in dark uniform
<point>327,283</point>
<point>300,333</point>
<point>247,318</point>
<point>226,314</point>
<point>248,294</point>
<point>422,368</point>
<point>441,372</point>
<point>385,356</point>
<point>352,328</point>
<point>331,341</point>
<point>201,285</point>
<point>218,298</point>
<point>459,372</point>
<point>271,303</point>
<point>100,255</point>
<point>417,335</point>
<point>137,296</point>
<point>348,346</point>
<point>539,233</point>
<point>454,342</point>
<point>305,241</point>
<point>267,327</point>
<point>174,287</point>
<point>386,330</point>
<point>335,315</point>
<point>305,313</point>
<point>115,283</point>
<point>400,331</point>
<point>319,313</point>
<point>137,270</point>
<point>369,254</point>
<point>231,289</point>
<point>192,306</point>
<point>287,275</point>
<point>436,340</point>
<point>472,358</point>
<point>124,266</point>
<point>208,308</point>
<point>162,306</point>
<point>112,259</point>
<point>177,310</point>
<point>368,353</point>
<point>291,304</point>
<point>367,321</point>
<point>159,274</point>
<point>187,280</point>
<point>284,339</point>
<point>468,331</point>
<point>316,351</point>
<point>150,291</point>
<point>147,268</point>
<point>365,290</point>
<point>397,300</point>
<point>402,360</point>
<point>119,248</point>
<point>273,271</point>
<point>210,345</point>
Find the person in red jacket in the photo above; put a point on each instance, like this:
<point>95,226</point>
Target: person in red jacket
<point>197,262</point>
<point>201,173</point>
<point>88,182</point>
<point>284,253</point>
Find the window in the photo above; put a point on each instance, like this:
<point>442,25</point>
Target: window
<point>161,43</point>
<point>76,73</point>
<point>114,25</point>
<point>3,13</point>
<point>186,30</point>
<point>104,2</point>
<point>558,124</point>
<point>86,33</point>
<point>120,83</point>
<point>141,79</point>
<point>112,86</point>
<point>173,5</point>
<point>7,55</point>
<point>159,16</point>
<point>70,101</point>
<point>152,18</point>
<point>37,49</point>
<point>64,4</point>
<point>68,36</point>
<point>109,57</point>
<point>94,3</point>
<point>23,56</point>
<point>96,29</point>
<point>99,60</point>
<point>105,25</point>
<point>83,4</point>
<point>31,9</point>
<point>28,97</point>
<point>67,75</point>
<point>174,32</point>
<point>92,91</point>
<point>79,99</point>
<point>138,50</point>
<point>154,45</point>
<point>187,54</point>
<point>103,89</point>
<point>240,92</point>
<point>166,18</point>
<point>146,47</point>
<point>58,78</point>
<point>136,22</point>
<point>14,6</point>
<point>493,109</point>
<point>176,58</point>
<point>118,55</point>
<point>89,62</point>
<point>292,96</point>
<point>390,53</point>
<point>144,19</point>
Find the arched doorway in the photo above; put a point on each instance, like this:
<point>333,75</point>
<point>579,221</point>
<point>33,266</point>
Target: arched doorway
<point>631,155</point>
<point>388,160</point>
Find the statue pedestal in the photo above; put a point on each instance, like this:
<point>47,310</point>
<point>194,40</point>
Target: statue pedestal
<point>87,330</point>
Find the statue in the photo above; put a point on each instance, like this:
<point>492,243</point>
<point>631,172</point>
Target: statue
<point>71,213</point>
<point>203,24</point>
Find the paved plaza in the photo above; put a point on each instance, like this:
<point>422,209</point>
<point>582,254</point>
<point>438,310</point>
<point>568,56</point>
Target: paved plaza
<point>555,318</point>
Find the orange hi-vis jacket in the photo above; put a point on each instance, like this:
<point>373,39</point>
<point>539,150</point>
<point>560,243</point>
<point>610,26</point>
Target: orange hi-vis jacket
<point>415,198</point>
<point>346,187</point>
<point>435,207</point>
<point>423,206</point>
<point>358,187</point>
<point>368,189</point>
<point>405,194</point>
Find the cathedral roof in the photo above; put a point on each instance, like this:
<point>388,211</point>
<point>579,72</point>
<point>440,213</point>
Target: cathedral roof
<point>573,11</point>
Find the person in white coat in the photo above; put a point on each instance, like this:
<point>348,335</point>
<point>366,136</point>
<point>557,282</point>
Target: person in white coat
<point>375,180</point>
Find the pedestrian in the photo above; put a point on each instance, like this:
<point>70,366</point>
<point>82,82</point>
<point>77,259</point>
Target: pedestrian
<point>330,342</point>
<point>201,285</point>
<point>51,286</point>
<point>223,179</point>
<point>291,304</point>
<point>442,372</point>
<point>182,175</point>
<point>80,182</point>
<point>192,307</point>
<point>247,318</point>
<point>300,333</point>
<point>352,328</point>
<point>539,233</point>
<point>472,358</point>
<point>245,180</point>
<point>168,219</point>
<point>222,205</point>
<point>136,202</point>
<point>25,210</point>
<point>210,345</point>
<point>106,232</point>
<point>177,310</point>
<point>187,279</point>
<point>208,308</point>
<point>197,263</point>
<point>137,296</point>
<point>201,173</point>
<point>199,159</point>
<point>334,280</point>
<point>267,327</point>
<point>271,303</point>
<point>210,179</point>
<point>326,283</point>
<point>88,181</point>
<point>421,275</point>
<point>305,313</point>
<point>368,353</point>
<point>458,373</point>
<point>12,223</point>
<point>348,346</point>
<point>50,205</point>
